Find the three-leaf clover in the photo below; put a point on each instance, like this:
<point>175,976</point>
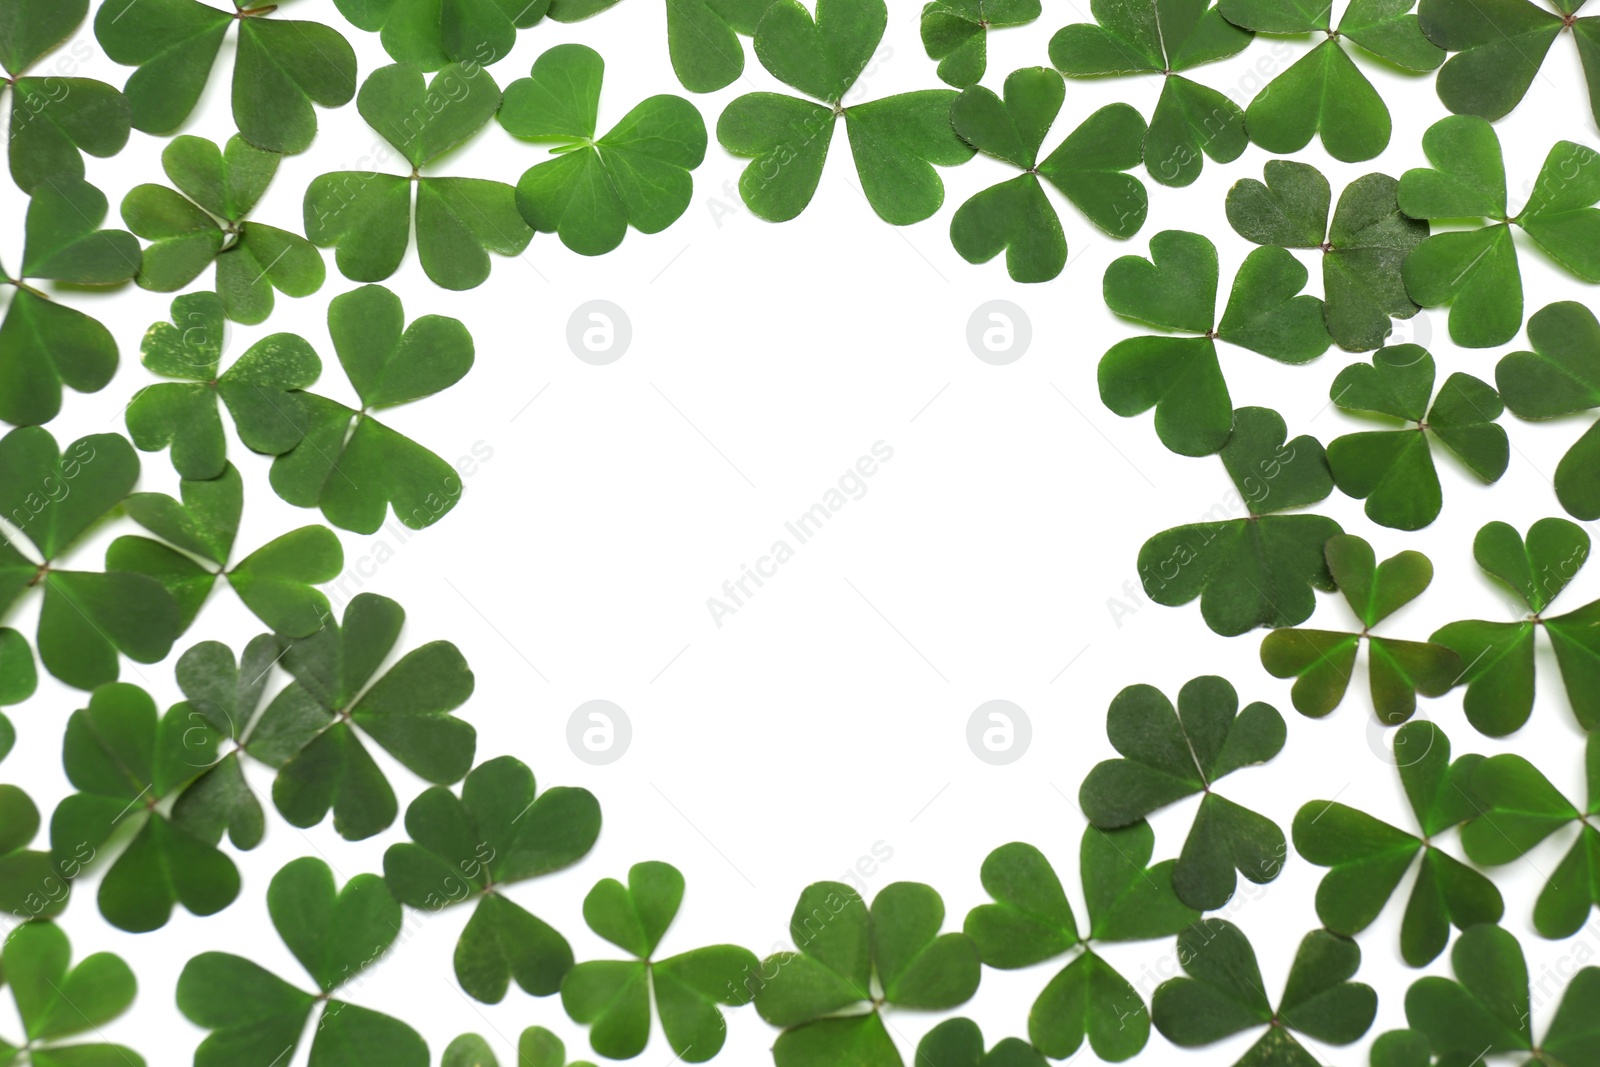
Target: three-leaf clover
<point>1031,921</point>
<point>959,1043</point>
<point>1392,470</point>
<point>1172,753</point>
<point>367,215</point>
<point>52,498</point>
<point>956,34</point>
<point>596,187</point>
<point>1176,289</point>
<point>1087,168</point>
<point>204,222</point>
<point>852,962</point>
<point>1561,376</point>
<point>1164,37</point>
<point>255,1017</point>
<point>124,759</point>
<point>896,141</point>
<point>435,33</point>
<point>613,997</point>
<point>1499,46</point>
<point>1321,661</point>
<point>56,1000</point>
<point>1367,857</point>
<point>311,731</point>
<point>282,67</point>
<point>1363,245</point>
<point>498,831</point>
<point>1324,92</point>
<point>1475,271</point>
<point>1499,656</point>
<point>1223,995</point>
<point>1259,569</point>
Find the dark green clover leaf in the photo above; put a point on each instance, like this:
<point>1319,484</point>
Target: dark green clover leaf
<point>52,498</point>
<point>1324,92</point>
<point>1363,246</point>
<point>1224,995</point>
<point>44,344</point>
<point>1171,753</point>
<point>703,39</point>
<point>896,141</point>
<point>1259,569</point>
<point>367,215</point>
<point>31,886</point>
<point>204,222</point>
<point>282,67</point>
<point>1321,661</point>
<point>257,1019</point>
<point>1561,376</point>
<point>1499,656</point>
<point>18,679</point>
<point>1401,1048</point>
<point>596,187</point>
<point>1520,808</point>
<point>1367,858</point>
<point>348,463</point>
<point>1031,921</point>
<point>537,1047</point>
<point>56,1000</point>
<point>1475,270</point>
<point>498,831</point>
<point>275,581</point>
<point>55,118</point>
<point>613,997</point>
<point>1392,470</point>
<point>1087,168</point>
<point>309,731</point>
<point>1165,37</point>
<point>956,34</point>
<point>261,390</point>
<point>959,1043</point>
<point>1500,46</point>
<point>1486,1009</point>
<point>434,33</point>
<point>850,957</point>
<point>1176,289</point>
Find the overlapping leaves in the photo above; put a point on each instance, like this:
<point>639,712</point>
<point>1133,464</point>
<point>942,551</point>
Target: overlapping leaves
<point>956,34</point>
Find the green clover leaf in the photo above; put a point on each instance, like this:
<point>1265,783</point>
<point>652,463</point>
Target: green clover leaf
<point>1561,376</point>
<point>1499,46</point>
<point>956,34</point>
<point>31,886</point>
<point>497,832</point>
<point>56,1000</point>
<point>537,1047</point>
<point>1401,1048</point>
<point>18,679</point>
<point>959,1043</point>
<point>703,39</point>
<point>435,33</point>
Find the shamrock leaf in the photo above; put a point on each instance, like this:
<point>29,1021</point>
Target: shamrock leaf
<point>335,934</point>
<point>18,679</point>
<point>52,498</point>
<point>1392,470</point>
<point>204,222</point>
<point>703,40</point>
<point>1475,271</point>
<point>1499,46</point>
<point>309,731</point>
<point>959,1043</point>
<point>434,33</point>
<point>1176,289</point>
<point>31,887</point>
<point>637,174</point>
<point>367,215</point>
<point>537,1047</point>
<point>1367,858</point>
<point>496,833</point>
<point>1486,1009</point>
<point>846,955</point>
<point>613,997</point>
<point>282,67</point>
<point>355,474</point>
<point>44,344</point>
<point>55,1000</point>
<point>1087,168</point>
<point>1362,247</point>
<point>1320,661</point>
<point>1499,656</point>
<point>1519,809</point>
<point>1164,37</point>
<point>1223,995</point>
<point>896,141</point>
<point>1401,1048</point>
<point>1324,92</point>
<point>956,34</point>
<point>124,759</point>
<point>1031,921</point>
<point>1561,376</point>
<point>1258,569</point>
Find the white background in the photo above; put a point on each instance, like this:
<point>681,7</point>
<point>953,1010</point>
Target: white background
<point>830,712</point>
